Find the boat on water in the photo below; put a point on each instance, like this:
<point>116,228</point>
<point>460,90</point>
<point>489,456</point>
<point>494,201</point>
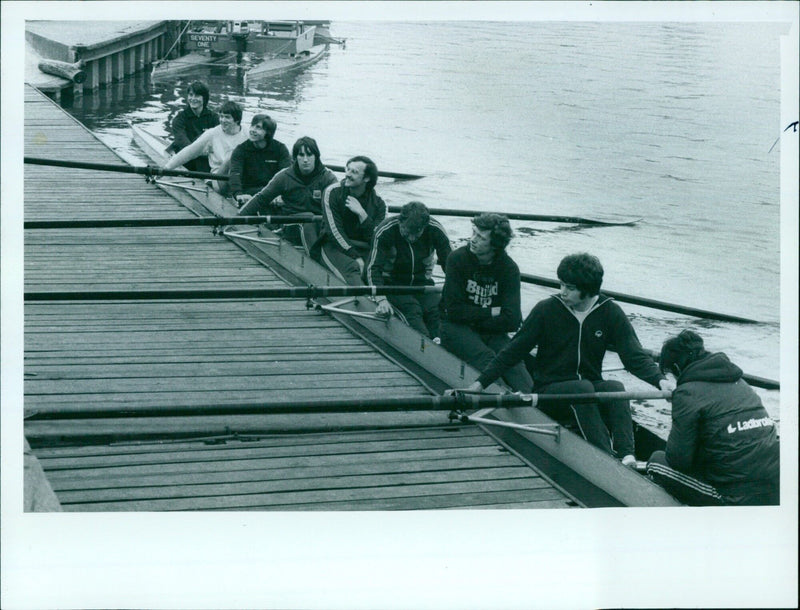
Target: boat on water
<point>584,472</point>
<point>279,47</point>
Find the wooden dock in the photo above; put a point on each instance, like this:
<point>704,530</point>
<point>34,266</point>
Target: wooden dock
<point>126,354</point>
<point>108,50</point>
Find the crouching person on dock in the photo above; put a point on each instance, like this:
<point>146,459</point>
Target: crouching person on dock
<point>573,330</point>
<point>300,187</point>
<point>256,160</point>
<point>481,299</point>
<point>350,212</point>
<point>216,143</point>
<point>403,253</point>
<point>723,447</point>
<point>192,121</point>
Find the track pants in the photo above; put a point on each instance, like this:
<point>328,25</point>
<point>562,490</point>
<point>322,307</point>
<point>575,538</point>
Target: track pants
<point>341,265</point>
<point>478,349</point>
<point>694,492</point>
<point>304,234</point>
<point>420,311</point>
<point>606,425</point>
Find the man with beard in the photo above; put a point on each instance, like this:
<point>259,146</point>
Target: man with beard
<point>350,212</point>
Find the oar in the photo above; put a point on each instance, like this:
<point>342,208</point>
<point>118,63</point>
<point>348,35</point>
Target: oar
<point>336,405</point>
<point>652,303</point>
<point>753,380</point>
<point>534,217</point>
<point>168,222</point>
<point>381,173</point>
<point>308,292</point>
<point>151,170</point>
<point>148,170</point>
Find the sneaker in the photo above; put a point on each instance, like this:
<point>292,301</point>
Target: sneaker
<point>629,461</point>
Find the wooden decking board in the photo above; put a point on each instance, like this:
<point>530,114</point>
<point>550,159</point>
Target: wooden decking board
<point>246,453</point>
<point>130,355</point>
<point>331,482</point>
<point>269,500</point>
<point>275,440</point>
<point>69,481</point>
<point>334,456</point>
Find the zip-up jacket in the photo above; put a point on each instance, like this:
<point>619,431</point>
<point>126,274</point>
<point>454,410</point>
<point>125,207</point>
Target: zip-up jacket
<point>300,194</point>
<point>343,227</point>
<point>394,260</point>
<point>187,126</point>
<point>721,432</point>
<point>252,168</point>
<point>471,290</point>
<point>569,349</point>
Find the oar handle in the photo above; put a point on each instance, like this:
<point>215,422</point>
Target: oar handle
<point>149,170</point>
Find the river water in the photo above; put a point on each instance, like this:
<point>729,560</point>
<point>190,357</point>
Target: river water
<point>671,122</point>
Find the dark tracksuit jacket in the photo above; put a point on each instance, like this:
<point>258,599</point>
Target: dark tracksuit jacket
<point>300,194</point>
<point>394,260</point>
<point>471,290</point>
<point>342,227</point>
<point>252,168</point>
<point>186,127</point>
<point>570,350</point>
<point>721,432</point>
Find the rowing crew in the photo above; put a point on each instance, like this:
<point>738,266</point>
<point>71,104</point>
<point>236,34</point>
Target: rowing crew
<point>704,462</point>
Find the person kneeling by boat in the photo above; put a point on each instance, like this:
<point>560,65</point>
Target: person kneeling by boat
<point>350,212</point>
<point>572,331</point>
<point>300,187</point>
<point>192,121</point>
<point>217,143</point>
<point>402,254</point>
<point>256,161</point>
<point>723,447</point>
<point>481,299</point>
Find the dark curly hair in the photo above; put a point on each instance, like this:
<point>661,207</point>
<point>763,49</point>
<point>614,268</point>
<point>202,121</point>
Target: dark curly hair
<point>500,228</point>
<point>583,271</point>
<point>679,352</point>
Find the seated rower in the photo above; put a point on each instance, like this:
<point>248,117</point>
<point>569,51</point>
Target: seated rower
<point>723,447</point>
<point>300,187</point>
<point>402,254</point>
<point>481,299</point>
<point>256,161</point>
<point>192,121</point>
<point>572,331</point>
<point>217,143</point>
<point>350,212</point>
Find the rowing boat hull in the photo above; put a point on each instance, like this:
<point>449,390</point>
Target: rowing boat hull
<point>278,66</point>
<point>188,63</point>
<point>566,459</point>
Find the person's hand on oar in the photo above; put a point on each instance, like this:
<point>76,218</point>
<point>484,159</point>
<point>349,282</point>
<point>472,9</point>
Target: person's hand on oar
<point>383,307</point>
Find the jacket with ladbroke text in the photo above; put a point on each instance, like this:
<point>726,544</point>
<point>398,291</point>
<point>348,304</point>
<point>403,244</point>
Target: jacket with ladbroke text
<point>721,432</point>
